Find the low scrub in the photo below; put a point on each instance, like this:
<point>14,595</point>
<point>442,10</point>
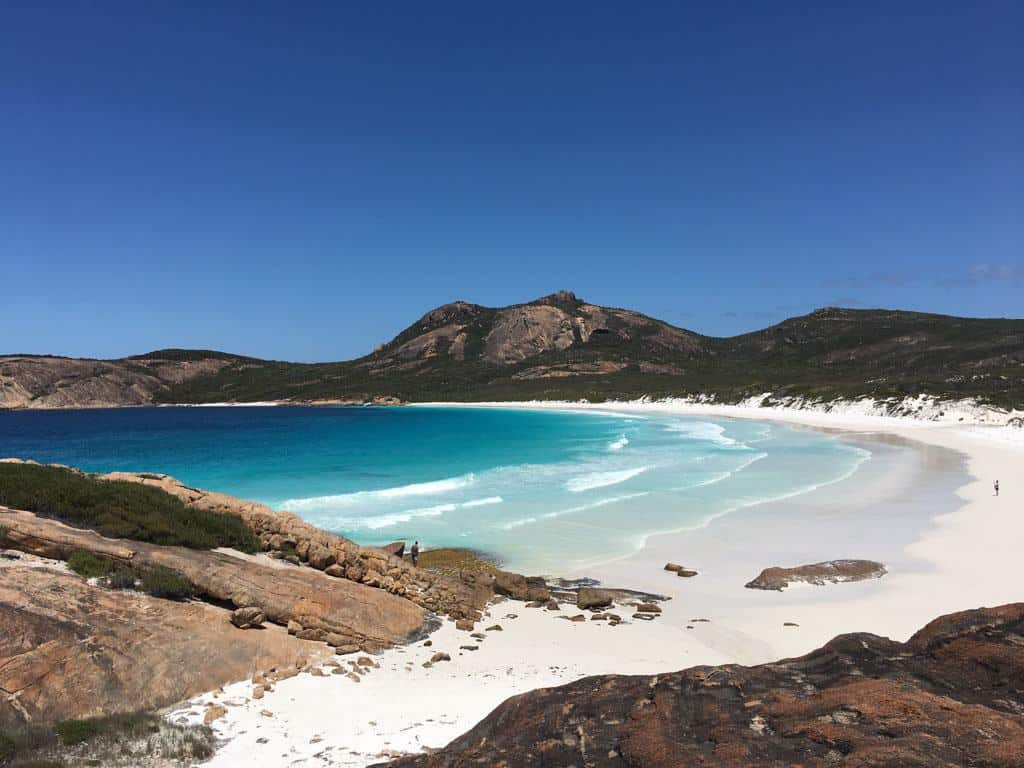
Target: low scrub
<point>119,509</point>
<point>122,578</point>
<point>88,565</point>
<point>163,582</point>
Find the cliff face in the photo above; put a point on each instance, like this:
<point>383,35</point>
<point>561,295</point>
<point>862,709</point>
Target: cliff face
<point>952,695</point>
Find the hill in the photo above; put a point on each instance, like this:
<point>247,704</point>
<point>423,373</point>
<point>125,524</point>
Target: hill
<point>561,347</point>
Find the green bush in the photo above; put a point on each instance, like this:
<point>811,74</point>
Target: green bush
<point>120,509</point>
<point>163,582</point>
<point>122,578</point>
<point>87,564</point>
<point>76,731</point>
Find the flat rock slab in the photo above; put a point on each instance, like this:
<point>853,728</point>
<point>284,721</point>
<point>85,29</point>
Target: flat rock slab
<point>338,609</point>
<point>72,650</point>
<point>830,571</point>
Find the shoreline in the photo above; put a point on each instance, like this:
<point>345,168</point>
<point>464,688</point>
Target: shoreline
<point>948,542</point>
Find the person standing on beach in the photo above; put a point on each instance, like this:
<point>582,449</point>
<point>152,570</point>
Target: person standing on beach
<point>996,486</point>
<point>414,553</point>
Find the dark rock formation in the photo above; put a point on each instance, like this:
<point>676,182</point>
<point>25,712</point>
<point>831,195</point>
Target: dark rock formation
<point>953,695</point>
<point>818,573</point>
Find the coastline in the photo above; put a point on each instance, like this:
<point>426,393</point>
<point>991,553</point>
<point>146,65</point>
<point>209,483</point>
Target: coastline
<point>929,514</point>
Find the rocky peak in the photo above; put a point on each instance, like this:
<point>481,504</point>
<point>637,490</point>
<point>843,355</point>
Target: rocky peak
<point>453,313</point>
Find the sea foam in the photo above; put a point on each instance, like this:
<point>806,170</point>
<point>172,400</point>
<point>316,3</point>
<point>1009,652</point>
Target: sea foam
<point>594,480</point>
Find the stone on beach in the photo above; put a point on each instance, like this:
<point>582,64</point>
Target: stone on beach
<point>589,597</point>
<point>829,571</point>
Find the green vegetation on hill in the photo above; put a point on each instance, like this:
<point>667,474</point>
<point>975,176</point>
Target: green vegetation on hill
<point>826,355</point>
<point>119,509</point>
<point>560,347</point>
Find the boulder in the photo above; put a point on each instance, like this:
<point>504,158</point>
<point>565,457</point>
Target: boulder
<point>589,597</point>
<point>395,548</point>
<point>520,587</point>
<point>248,618</point>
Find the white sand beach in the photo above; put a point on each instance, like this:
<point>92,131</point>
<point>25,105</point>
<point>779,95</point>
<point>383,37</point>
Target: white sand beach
<point>948,542</point>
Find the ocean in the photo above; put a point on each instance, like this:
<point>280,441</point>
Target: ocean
<point>542,491</point>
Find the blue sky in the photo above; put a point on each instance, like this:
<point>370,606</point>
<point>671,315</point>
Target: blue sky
<point>301,181</point>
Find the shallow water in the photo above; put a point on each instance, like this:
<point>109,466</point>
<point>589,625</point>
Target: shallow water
<point>544,491</point>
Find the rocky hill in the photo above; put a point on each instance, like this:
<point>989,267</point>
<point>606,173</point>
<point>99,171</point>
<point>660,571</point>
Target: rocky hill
<point>953,695</point>
<point>561,347</point>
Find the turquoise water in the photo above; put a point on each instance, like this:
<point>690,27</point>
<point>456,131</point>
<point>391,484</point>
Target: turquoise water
<point>545,491</point>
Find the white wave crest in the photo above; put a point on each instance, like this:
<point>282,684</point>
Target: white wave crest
<point>517,523</point>
<point>595,504</point>
<point>703,430</point>
<point>394,518</point>
<point>483,502</point>
<point>602,479</point>
<point>430,488</point>
<point>618,445</point>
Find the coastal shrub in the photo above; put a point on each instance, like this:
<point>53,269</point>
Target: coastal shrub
<point>166,583</point>
<point>88,565</point>
<point>120,509</point>
<point>121,578</point>
<point>76,731</point>
<point>4,530</point>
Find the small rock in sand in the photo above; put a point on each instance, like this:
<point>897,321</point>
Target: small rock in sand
<point>257,692</point>
<point>266,713</point>
<point>790,624</point>
<point>495,628</point>
<point>645,616</point>
<point>465,625</point>
<point>213,713</point>
<point>511,616</point>
<point>478,636</point>
<point>578,617</point>
<point>440,656</point>
<point>468,647</point>
<point>366,661</point>
<point>647,608</point>
<point>552,605</point>
<point>428,643</point>
<point>353,677</point>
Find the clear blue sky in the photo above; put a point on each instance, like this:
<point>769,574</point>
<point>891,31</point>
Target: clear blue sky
<point>303,180</point>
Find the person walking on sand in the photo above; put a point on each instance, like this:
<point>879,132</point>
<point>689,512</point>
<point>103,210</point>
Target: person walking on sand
<point>996,486</point>
<point>414,553</point>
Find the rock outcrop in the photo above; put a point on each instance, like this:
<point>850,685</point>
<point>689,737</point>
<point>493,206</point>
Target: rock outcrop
<point>283,532</point>
<point>72,650</point>
<point>953,695</point>
<point>336,611</point>
<point>830,571</point>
